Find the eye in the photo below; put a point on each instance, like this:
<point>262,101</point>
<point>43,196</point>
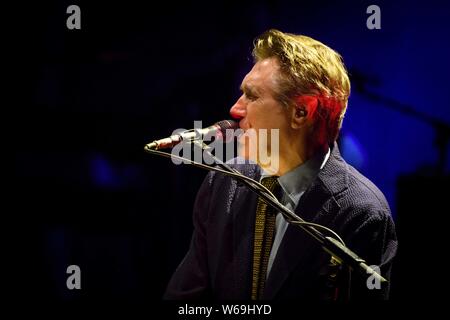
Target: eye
<point>251,96</point>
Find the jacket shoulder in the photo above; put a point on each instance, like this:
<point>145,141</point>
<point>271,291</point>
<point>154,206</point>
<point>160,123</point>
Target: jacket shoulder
<point>364,193</point>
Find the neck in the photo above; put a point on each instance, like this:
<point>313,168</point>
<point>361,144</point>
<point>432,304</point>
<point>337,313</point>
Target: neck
<point>289,158</point>
<point>284,164</point>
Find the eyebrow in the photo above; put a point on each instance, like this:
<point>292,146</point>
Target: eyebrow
<point>248,88</point>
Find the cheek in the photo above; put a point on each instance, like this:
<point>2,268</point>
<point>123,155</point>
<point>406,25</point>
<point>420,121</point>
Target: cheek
<point>253,115</point>
<point>266,115</point>
<point>278,119</point>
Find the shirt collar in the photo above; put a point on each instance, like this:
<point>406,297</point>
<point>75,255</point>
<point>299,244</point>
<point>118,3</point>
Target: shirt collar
<point>296,181</point>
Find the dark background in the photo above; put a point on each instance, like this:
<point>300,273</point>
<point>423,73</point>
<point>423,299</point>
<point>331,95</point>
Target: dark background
<point>88,100</point>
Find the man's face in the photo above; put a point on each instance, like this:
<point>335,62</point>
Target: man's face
<point>258,109</point>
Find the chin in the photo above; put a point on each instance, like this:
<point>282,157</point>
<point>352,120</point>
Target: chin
<point>244,149</point>
<point>249,149</point>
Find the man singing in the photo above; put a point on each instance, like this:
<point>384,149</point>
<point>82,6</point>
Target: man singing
<point>241,248</point>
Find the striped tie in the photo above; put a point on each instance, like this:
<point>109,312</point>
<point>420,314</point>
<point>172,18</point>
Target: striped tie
<point>264,235</point>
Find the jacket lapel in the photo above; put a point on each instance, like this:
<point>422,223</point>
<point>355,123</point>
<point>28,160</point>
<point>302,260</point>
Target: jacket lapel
<point>316,205</point>
<point>244,210</point>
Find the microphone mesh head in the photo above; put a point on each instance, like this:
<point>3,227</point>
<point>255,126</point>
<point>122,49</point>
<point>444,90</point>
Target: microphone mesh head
<point>225,125</point>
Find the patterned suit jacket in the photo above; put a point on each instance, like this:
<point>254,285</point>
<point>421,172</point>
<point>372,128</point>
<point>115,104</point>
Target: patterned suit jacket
<point>218,265</point>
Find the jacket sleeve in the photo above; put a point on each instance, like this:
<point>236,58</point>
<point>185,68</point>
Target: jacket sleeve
<point>191,279</point>
<point>375,241</point>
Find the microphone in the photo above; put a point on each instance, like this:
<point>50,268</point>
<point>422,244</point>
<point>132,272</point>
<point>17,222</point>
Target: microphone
<point>218,130</point>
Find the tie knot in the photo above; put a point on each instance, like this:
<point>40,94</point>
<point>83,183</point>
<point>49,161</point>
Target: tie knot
<point>270,183</point>
<point>273,185</point>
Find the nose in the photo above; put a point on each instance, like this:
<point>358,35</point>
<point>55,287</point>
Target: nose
<point>239,109</point>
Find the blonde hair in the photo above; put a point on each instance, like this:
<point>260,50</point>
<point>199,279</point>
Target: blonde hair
<point>308,67</point>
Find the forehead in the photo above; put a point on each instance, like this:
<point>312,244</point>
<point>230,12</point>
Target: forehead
<point>263,75</point>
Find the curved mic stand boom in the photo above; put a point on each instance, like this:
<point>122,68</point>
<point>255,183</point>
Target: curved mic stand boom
<point>333,245</point>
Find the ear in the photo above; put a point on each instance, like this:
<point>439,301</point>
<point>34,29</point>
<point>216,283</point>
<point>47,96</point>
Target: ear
<point>298,117</point>
<point>302,111</point>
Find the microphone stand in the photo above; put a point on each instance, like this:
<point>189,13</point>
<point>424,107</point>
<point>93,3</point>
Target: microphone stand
<point>335,247</point>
